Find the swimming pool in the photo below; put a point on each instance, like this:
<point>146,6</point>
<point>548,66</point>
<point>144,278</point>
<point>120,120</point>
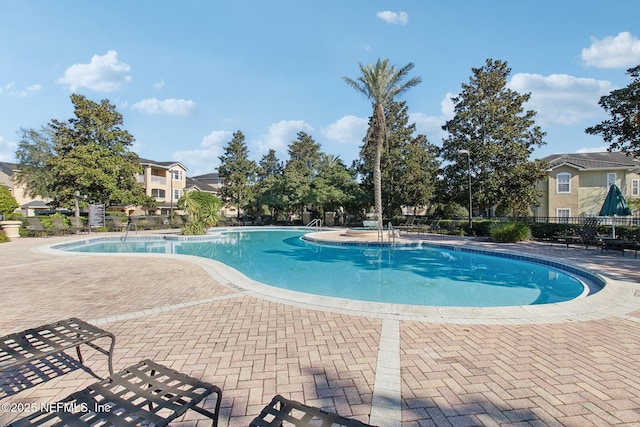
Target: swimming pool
<point>426,275</point>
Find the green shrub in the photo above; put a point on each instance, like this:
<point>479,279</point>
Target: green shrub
<point>510,232</point>
<point>4,239</point>
<point>7,202</point>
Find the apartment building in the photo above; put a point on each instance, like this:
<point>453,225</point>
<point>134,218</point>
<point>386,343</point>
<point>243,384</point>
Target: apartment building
<point>28,205</point>
<point>164,181</point>
<point>578,182</point>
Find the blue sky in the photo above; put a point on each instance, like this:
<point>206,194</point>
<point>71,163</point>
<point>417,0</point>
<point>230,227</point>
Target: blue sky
<point>186,75</point>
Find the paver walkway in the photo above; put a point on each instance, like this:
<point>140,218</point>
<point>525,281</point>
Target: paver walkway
<point>398,371</point>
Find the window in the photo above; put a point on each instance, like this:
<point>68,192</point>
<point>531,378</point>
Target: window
<point>177,174</point>
<point>563,182</point>
<point>563,215</point>
<point>635,187</point>
<point>158,193</point>
<point>611,179</point>
<point>177,194</point>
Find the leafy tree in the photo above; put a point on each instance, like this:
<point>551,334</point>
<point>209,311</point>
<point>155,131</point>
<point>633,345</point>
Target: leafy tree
<point>300,172</point>
<point>409,163</point>
<point>334,187</point>
<point>92,156</point>
<point>8,203</point>
<point>381,84</point>
<point>238,173</point>
<point>203,210</point>
<point>490,122</point>
<point>34,154</point>
<point>622,130</point>
<point>88,154</point>
<point>269,188</point>
<point>419,173</point>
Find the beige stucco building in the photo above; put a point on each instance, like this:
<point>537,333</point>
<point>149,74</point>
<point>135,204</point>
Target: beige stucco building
<point>578,183</point>
<point>27,204</point>
<point>164,181</point>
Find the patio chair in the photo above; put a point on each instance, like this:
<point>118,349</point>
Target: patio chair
<point>117,224</point>
<point>433,227</point>
<point>622,245</point>
<point>285,412</point>
<point>146,393</point>
<point>35,227</point>
<point>77,226</point>
<point>153,223</point>
<point>588,234</point>
<point>59,226</point>
<point>408,224</point>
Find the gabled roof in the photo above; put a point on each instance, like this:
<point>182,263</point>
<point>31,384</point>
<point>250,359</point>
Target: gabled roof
<point>8,168</point>
<point>165,165</point>
<point>201,185</point>
<point>593,161</point>
<point>213,176</point>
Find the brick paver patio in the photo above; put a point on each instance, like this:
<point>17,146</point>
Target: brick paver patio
<point>399,371</point>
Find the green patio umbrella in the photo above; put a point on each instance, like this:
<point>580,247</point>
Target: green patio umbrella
<point>615,205</point>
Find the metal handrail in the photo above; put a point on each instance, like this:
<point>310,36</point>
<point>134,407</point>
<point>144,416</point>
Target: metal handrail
<point>126,231</point>
<point>392,234</point>
<point>317,223</point>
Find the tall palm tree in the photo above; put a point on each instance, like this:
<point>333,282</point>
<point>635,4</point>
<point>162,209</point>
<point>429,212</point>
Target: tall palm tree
<point>381,84</point>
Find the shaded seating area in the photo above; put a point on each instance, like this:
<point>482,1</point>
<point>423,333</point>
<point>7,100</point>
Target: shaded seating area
<point>283,412</point>
<point>146,393</point>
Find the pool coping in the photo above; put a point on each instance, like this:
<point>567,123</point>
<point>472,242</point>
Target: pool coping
<point>617,298</point>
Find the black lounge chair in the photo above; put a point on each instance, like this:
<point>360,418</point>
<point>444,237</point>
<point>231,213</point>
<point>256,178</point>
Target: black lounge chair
<point>33,344</point>
<point>588,234</point>
<point>622,244</point>
<point>285,412</point>
<point>146,393</point>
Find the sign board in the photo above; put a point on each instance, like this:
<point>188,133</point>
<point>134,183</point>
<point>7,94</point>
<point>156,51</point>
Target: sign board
<point>96,215</point>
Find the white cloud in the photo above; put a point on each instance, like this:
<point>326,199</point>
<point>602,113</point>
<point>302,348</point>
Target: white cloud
<point>561,99</point>
<point>10,88</point>
<point>104,73</point>
<point>347,130</point>
<point>159,85</point>
<point>170,107</point>
<point>397,18</point>
<point>620,51</point>
<point>7,150</point>
<point>600,149</point>
<point>431,126</point>
<point>205,159</point>
<point>280,135</point>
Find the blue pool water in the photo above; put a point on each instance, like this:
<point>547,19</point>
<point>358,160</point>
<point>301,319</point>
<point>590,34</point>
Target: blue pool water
<point>419,276</point>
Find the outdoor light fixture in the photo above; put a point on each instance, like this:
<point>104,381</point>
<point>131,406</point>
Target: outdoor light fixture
<point>468,153</point>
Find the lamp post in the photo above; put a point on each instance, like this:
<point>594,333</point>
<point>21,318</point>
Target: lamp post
<point>171,196</point>
<point>468,153</point>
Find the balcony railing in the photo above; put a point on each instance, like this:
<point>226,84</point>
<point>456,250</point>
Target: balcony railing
<point>155,179</point>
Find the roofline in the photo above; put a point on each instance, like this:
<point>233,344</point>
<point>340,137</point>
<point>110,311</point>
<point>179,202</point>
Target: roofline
<point>155,163</point>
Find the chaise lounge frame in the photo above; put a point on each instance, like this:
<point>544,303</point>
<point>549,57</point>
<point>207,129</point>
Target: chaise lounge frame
<point>146,393</point>
<point>37,343</point>
<point>282,410</point>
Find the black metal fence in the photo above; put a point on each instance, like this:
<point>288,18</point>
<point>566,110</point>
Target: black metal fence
<point>630,221</point>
